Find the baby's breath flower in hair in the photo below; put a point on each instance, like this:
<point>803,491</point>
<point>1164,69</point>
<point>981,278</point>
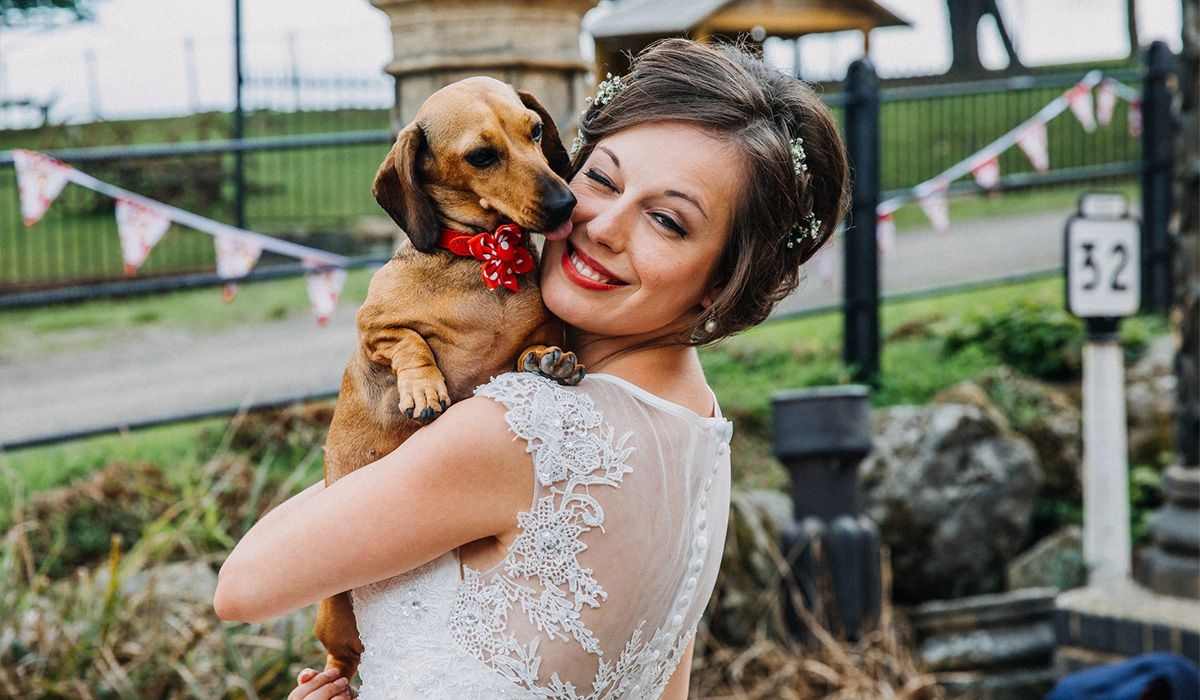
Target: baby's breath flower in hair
<point>807,226</point>
<point>608,88</point>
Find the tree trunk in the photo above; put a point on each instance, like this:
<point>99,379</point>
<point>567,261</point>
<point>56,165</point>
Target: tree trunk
<point>1132,28</point>
<point>965,16</point>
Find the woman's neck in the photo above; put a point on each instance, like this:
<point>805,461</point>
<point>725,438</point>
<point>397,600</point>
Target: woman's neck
<point>667,369</point>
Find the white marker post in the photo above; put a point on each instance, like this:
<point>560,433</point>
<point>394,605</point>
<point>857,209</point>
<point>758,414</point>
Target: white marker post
<point>1103,278</point>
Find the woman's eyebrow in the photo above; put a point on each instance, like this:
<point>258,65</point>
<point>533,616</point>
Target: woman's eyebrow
<point>669,193</point>
<point>616,161</point>
<point>686,197</point>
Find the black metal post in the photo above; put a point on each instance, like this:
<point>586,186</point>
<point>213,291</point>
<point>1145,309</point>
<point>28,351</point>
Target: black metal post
<point>821,436</point>
<point>239,158</point>
<point>860,294</point>
<point>1157,177</point>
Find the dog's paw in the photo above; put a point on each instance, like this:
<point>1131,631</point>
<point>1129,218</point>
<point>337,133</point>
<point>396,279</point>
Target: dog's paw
<point>563,367</point>
<point>422,399</point>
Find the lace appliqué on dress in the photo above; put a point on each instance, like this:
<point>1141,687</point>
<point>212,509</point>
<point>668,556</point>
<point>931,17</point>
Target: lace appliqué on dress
<point>541,576</point>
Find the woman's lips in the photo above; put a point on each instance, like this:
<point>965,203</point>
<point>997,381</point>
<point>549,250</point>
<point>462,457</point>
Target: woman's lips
<point>586,272</point>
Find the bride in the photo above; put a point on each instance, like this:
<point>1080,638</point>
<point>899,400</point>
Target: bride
<point>542,541</point>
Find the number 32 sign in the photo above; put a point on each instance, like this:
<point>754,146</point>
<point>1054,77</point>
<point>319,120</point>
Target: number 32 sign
<point>1103,259</point>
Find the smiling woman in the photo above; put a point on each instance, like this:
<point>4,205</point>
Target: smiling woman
<point>547,541</point>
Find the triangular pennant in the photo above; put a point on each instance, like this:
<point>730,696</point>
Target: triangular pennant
<point>140,228</point>
<point>932,199</point>
<point>1032,140</point>
<point>1079,99</point>
<point>1106,101</point>
<point>40,179</point>
<point>1135,118</point>
<point>235,258</point>
<point>324,287</point>
<point>987,172</point>
<point>825,260</point>
<point>885,230</point>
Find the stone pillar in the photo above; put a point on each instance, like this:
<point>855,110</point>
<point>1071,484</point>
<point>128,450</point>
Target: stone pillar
<point>1172,565</point>
<point>533,46</point>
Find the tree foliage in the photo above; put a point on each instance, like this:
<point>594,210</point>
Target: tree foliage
<point>27,13</point>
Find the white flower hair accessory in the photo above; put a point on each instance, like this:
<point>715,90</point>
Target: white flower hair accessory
<point>610,87</point>
<point>807,226</point>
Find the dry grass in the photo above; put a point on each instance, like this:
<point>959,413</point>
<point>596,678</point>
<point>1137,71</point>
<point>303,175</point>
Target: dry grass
<point>744,649</point>
<point>132,618</point>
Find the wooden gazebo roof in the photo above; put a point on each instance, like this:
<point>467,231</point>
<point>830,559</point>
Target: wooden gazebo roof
<point>630,25</point>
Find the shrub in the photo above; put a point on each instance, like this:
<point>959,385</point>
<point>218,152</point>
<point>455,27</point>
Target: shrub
<point>1037,339</point>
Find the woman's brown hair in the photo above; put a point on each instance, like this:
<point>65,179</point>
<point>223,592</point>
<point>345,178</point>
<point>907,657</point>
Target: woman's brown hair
<point>759,110</point>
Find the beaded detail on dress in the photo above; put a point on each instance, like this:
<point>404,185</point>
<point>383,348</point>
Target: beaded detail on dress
<point>600,593</point>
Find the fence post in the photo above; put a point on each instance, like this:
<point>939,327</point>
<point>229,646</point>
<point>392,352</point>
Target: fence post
<point>239,156</point>
<point>860,287</point>
<point>1157,178</point>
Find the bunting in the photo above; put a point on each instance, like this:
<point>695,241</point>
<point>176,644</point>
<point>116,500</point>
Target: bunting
<point>1032,140</point>
<point>140,227</point>
<point>40,179</point>
<point>142,222</point>
<point>324,287</point>
<point>235,258</point>
<point>987,172</point>
<point>1106,101</point>
<point>885,228</point>
<point>1079,99</point>
<point>932,199</point>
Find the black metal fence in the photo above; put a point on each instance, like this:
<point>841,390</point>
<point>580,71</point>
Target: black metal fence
<point>314,188</point>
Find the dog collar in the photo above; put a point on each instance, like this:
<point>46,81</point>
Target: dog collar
<point>503,253</point>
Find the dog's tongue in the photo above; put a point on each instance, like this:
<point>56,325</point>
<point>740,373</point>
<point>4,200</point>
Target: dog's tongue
<point>559,233</point>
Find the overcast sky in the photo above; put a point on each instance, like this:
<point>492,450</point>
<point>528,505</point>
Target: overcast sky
<point>148,57</point>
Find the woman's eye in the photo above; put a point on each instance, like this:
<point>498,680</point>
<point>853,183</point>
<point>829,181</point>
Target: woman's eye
<point>536,134</point>
<point>483,157</point>
<point>669,223</point>
<point>604,182</point>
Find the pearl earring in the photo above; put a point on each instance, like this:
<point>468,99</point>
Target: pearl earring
<point>710,326</point>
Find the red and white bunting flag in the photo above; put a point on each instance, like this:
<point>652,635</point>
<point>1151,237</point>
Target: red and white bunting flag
<point>1079,99</point>
<point>235,258</point>
<point>987,172</point>
<point>40,179</point>
<point>933,202</point>
<point>140,228</point>
<point>825,260</point>
<point>324,287</point>
<point>885,229</point>
<point>1032,140</point>
<point>1106,101</point>
<point>1135,118</point>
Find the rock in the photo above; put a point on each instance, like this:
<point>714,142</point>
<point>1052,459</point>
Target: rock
<point>953,494</point>
<point>1046,416</point>
<point>1150,386</point>
<point>749,564</point>
<point>1056,560</point>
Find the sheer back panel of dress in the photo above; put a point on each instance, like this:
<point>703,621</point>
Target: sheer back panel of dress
<point>601,591</point>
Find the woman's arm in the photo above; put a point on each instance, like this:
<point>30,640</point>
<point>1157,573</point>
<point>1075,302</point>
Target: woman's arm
<point>677,687</point>
<point>457,480</point>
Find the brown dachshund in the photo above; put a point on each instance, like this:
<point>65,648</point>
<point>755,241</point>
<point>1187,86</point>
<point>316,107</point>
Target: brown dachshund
<point>459,302</point>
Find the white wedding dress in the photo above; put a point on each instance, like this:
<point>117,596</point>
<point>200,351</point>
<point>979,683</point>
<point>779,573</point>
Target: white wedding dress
<point>601,592</point>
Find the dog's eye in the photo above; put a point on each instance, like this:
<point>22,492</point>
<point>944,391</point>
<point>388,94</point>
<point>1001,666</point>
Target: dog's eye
<point>536,133</point>
<point>483,157</point>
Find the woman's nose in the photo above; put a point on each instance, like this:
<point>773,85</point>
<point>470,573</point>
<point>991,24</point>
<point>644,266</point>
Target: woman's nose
<point>606,223</point>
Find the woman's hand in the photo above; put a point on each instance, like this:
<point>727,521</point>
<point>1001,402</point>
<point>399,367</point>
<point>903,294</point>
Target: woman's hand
<point>327,685</point>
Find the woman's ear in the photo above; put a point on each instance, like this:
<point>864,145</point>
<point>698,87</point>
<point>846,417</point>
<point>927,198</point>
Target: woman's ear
<point>552,145</point>
<point>398,190</point>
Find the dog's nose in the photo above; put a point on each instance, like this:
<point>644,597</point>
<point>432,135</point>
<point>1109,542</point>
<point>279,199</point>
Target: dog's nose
<point>559,206</point>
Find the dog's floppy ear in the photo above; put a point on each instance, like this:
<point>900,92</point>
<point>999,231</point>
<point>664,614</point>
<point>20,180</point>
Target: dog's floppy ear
<point>398,190</point>
<point>552,147</point>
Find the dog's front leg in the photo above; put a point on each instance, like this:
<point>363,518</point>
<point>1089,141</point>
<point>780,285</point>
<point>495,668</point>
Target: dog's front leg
<point>419,382</point>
